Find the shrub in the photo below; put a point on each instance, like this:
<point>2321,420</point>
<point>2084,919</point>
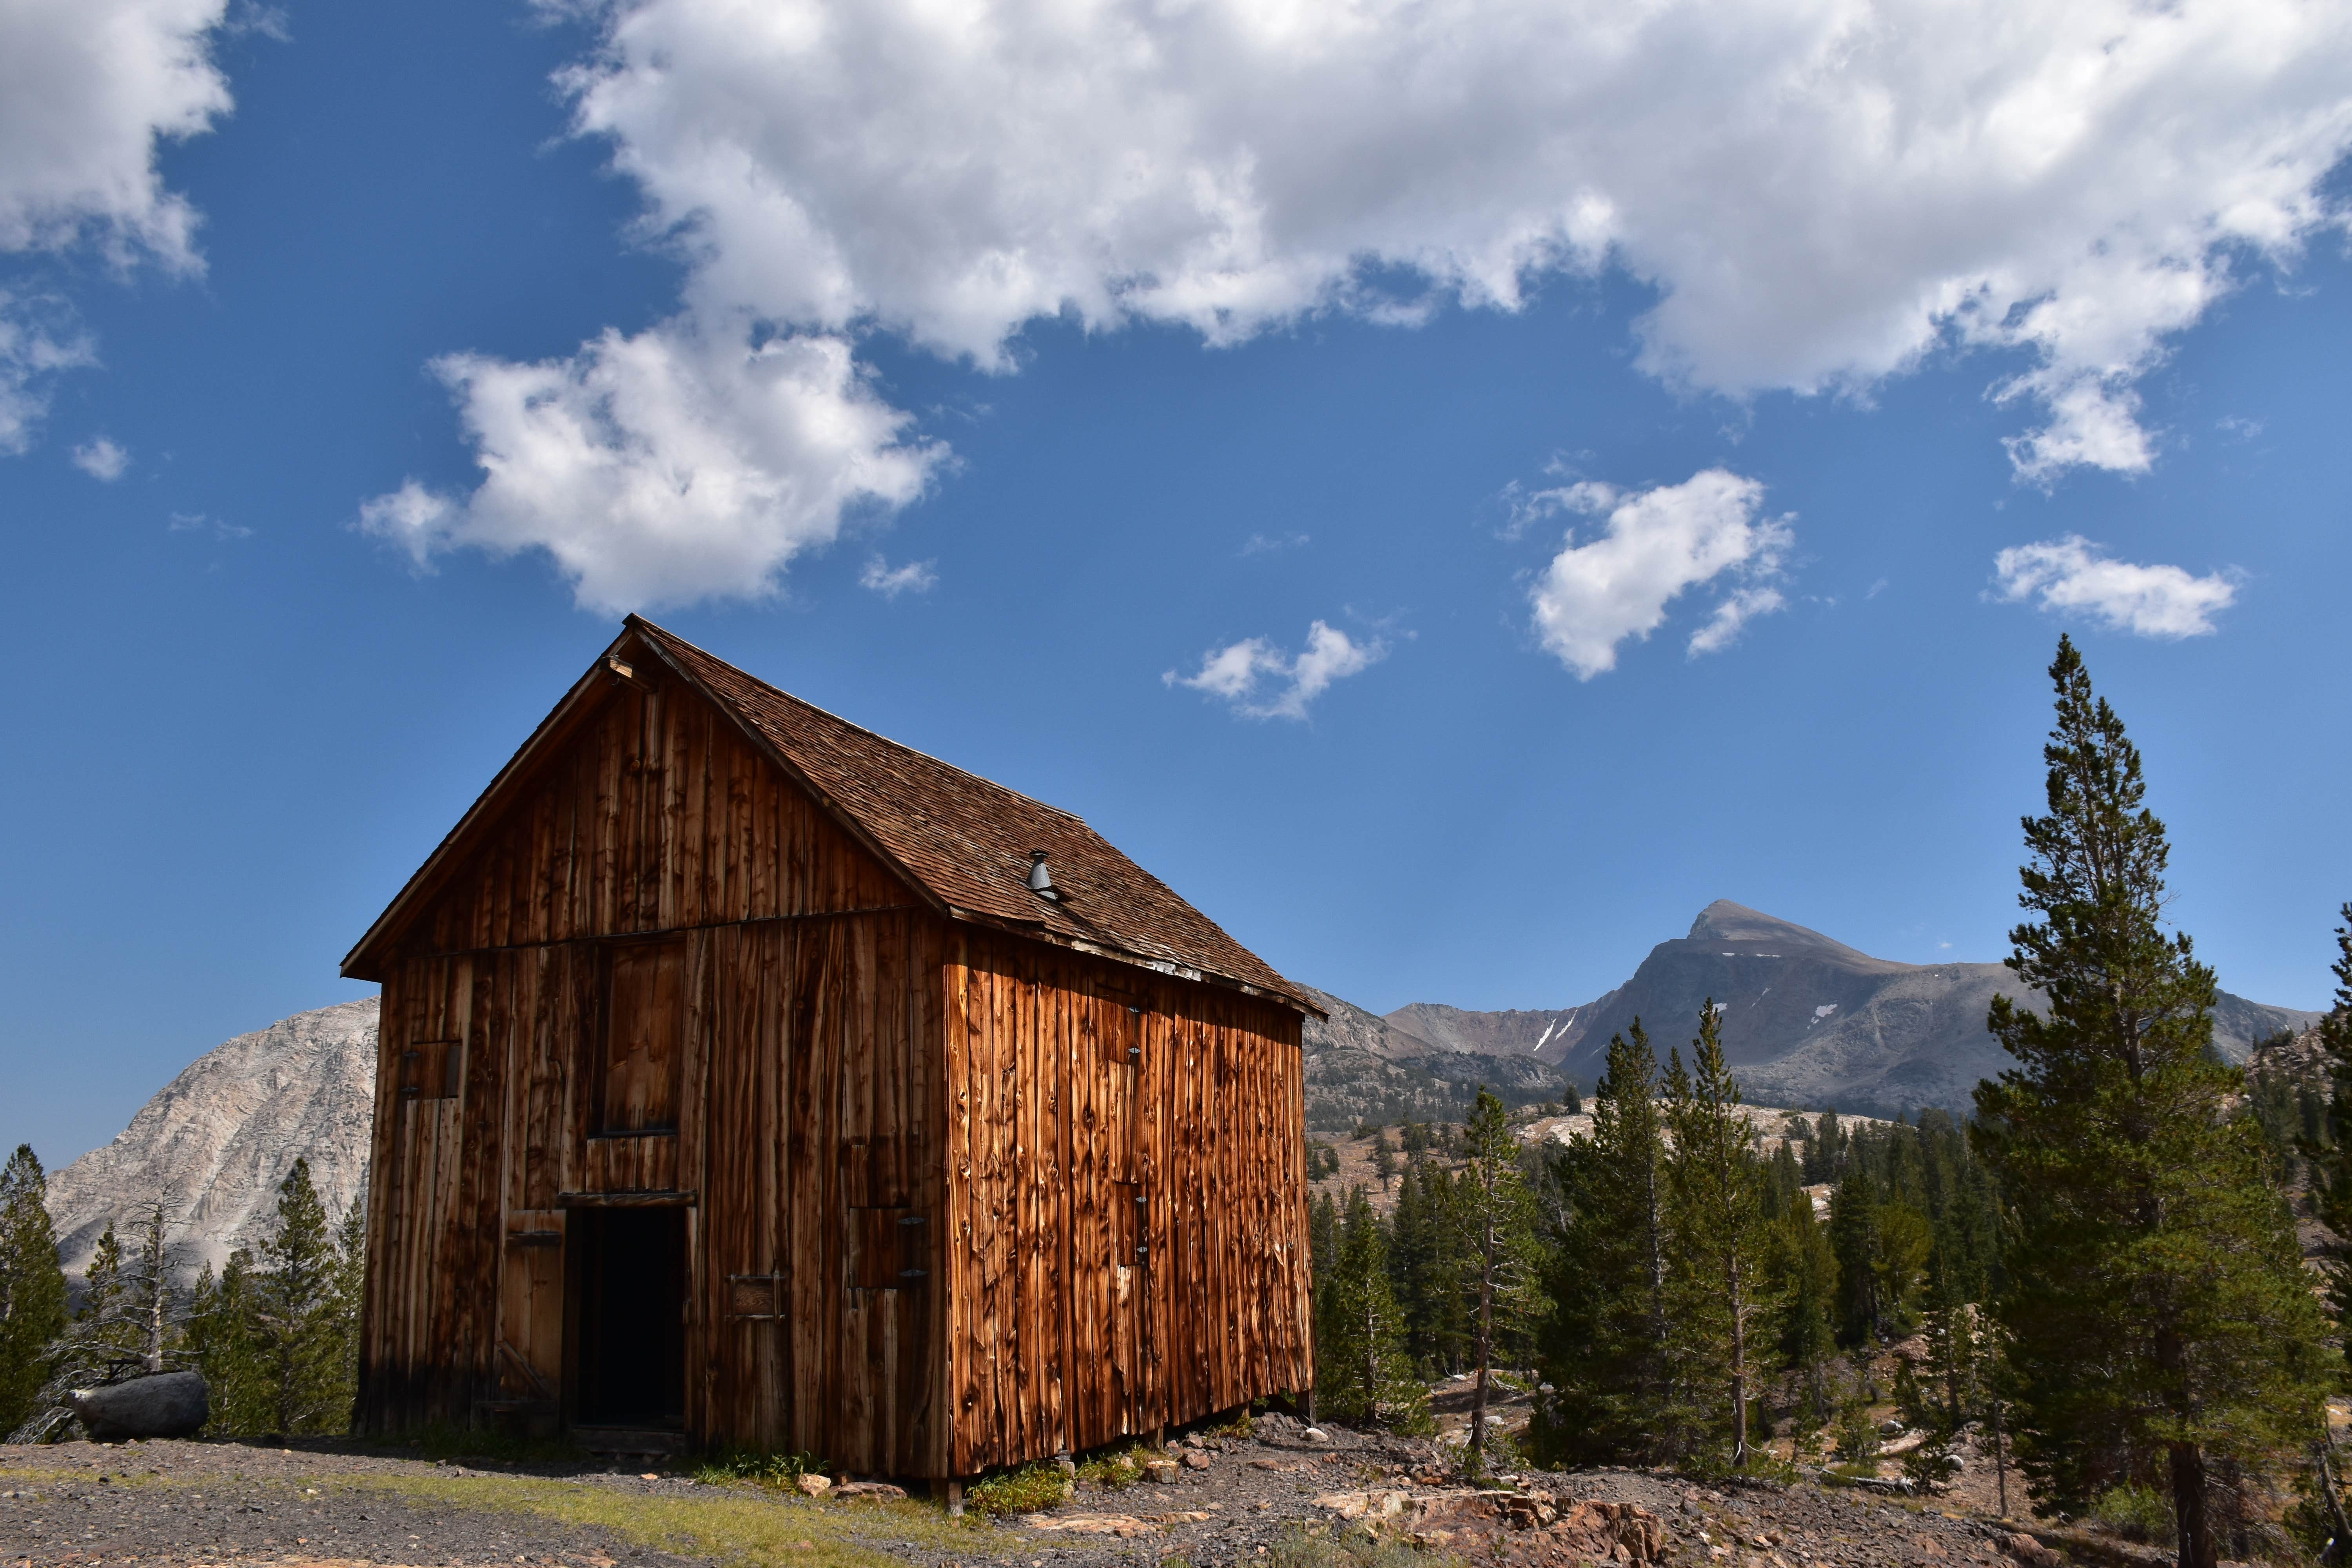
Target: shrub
<point>1112,1468</point>
<point>1025,1490</point>
<point>2136,1513</point>
<point>755,1465</point>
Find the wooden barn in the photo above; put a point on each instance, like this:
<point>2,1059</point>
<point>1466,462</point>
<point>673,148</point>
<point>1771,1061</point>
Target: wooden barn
<point>748,1079</point>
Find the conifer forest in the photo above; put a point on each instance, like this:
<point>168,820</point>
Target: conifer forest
<point>2099,1272</point>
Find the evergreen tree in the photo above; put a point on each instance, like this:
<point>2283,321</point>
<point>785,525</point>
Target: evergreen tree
<point>1803,1275</point>
<point>32,1287</point>
<point>1425,1266</point>
<point>2330,1160</point>
<point>1603,1345</point>
<point>1496,1216</point>
<point>1719,1296</point>
<point>1322,1239</point>
<point>2157,1325</point>
<point>1384,1164</point>
<point>222,1335</point>
<point>1362,1373</point>
<point>300,1327</point>
<point>99,1323</point>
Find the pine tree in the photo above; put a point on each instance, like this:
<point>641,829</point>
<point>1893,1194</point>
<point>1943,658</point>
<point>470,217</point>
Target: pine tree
<point>1803,1275</point>
<point>1603,1345</point>
<point>2330,1160</point>
<point>32,1287</point>
<point>1853,1239</point>
<point>222,1335</point>
<point>300,1331</point>
<point>1714,1181</point>
<point>1322,1239</point>
<point>2157,1325</point>
<point>1362,1373</point>
<point>1424,1267</point>
<point>1496,1214</point>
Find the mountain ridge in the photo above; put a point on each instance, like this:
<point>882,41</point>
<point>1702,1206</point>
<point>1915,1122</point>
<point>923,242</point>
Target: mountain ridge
<point>1845,1028</point>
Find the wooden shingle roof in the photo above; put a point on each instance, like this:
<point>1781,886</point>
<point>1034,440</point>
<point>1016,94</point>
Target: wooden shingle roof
<point>962,841</point>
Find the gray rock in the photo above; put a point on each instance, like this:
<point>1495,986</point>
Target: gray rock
<point>217,1139</point>
<point>164,1405</point>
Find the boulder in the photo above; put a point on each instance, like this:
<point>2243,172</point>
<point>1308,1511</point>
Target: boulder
<point>815,1486</point>
<point>1195,1460</point>
<point>870,1491</point>
<point>161,1404</point>
<point>1160,1470</point>
<point>2029,1551</point>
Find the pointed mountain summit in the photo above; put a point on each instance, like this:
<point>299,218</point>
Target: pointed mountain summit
<point>1807,1020</point>
<point>1724,923</point>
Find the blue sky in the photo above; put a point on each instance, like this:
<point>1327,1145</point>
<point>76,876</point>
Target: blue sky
<point>1642,418</point>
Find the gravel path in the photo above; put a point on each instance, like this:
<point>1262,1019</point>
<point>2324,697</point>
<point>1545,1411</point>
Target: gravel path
<point>1234,1501</point>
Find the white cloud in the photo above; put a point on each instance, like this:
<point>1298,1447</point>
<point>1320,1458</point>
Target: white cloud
<point>1821,193</point>
<point>914,577</point>
<point>2073,574</point>
<point>87,88</point>
<point>1723,628</point>
<point>1654,545</point>
<point>101,459</point>
<point>1262,682</point>
<point>37,339</point>
<point>200,523</point>
<point>671,465</point>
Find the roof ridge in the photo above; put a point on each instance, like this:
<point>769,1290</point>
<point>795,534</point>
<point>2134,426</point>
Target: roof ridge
<point>638,623</point>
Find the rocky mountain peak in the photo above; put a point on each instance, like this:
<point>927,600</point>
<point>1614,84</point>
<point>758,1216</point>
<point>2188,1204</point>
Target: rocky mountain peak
<point>1724,921</point>
<point>217,1139</point>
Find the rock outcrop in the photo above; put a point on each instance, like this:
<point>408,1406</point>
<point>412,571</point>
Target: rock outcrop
<point>1362,1067</point>
<point>218,1139</point>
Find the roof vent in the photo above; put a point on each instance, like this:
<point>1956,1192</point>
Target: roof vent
<point>1041,880</point>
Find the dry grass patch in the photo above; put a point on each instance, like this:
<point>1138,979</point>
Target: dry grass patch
<point>757,1529</point>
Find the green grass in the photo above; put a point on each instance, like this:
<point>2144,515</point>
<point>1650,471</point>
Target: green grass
<point>736,1527</point>
<point>1325,1548</point>
<point>755,1465</point>
<point>1113,1468</point>
<point>1027,1490</point>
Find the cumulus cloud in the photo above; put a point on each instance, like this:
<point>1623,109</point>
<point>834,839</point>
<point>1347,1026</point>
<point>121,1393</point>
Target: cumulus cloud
<point>101,459</point>
<point>914,577</point>
<point>2074,574</point>
<point>1820,194</point>
<point>670,466</point>
<point>87,90</point>
<point>1653,546</point>
<point>1261,681</point>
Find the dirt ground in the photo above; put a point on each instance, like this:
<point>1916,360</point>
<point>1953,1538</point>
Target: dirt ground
<point>1283,1494</point>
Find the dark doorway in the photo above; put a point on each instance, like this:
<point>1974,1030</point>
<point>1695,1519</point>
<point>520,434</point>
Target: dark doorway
<point>631,1290</point>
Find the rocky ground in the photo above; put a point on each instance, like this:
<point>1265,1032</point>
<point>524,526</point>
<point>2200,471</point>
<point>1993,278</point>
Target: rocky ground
<point>1282,1495</point>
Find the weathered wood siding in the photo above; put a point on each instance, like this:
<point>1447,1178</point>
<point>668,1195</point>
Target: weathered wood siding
<point>1078,1086</point>
<point>653,815</point>
<point>801,1118</point>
